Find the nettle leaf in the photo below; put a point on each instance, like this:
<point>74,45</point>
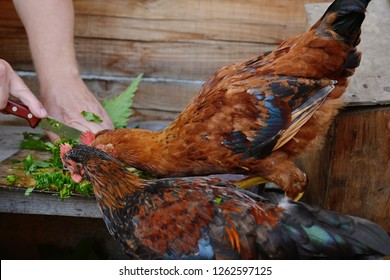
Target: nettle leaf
<point>91,117</point>
<point>119,107</point>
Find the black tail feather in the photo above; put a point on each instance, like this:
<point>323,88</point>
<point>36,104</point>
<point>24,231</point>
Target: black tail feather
<point>322,234</point>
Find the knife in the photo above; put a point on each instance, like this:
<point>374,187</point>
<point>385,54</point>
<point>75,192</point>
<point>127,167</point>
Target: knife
<point>22,111</point>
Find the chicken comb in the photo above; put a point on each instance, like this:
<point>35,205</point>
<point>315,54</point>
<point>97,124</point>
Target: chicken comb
<point>64,149</point>
<point>87,137</point>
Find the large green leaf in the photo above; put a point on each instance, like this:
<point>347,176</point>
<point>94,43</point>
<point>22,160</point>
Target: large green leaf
<point>119,107</point>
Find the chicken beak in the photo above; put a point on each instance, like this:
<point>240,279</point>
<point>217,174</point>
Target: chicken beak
<point>65,170</point>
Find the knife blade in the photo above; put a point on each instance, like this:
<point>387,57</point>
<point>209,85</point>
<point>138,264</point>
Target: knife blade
<point>50,124</point>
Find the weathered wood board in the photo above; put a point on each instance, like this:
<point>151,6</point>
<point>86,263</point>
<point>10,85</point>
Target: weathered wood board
<point>164,38</point>
<point>12,198</point>
<point>116,41</point>
<point>168,60</point>
<point>154,99</point>
<point>351,173</point>
<point>140,36</point>
<point>10,167</point>
<point>167,20</point>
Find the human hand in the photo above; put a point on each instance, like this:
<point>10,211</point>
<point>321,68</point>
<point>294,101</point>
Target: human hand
<point>50,29</point>
<point>66,97</point>
<point>12,84</point>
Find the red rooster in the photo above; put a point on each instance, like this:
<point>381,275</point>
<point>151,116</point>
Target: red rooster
<point>208,218</point>
<point>255,116</point>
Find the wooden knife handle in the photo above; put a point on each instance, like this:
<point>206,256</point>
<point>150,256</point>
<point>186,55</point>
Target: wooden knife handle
<point>20,110</point>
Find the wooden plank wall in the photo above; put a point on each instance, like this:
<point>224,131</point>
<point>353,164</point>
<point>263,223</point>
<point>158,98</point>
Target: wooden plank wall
<point>351,173</point>
<point>176,44</point>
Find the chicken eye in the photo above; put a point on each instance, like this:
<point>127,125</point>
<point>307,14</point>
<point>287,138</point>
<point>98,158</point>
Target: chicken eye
<point>80,169</point>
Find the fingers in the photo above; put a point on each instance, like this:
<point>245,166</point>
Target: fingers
<point>85,125</point>
<point>66,98</point>
<point>4,83</point>
<point>74,118</point>
<point>107,122</point>
<point>11,83</point>
<point>65,102</point>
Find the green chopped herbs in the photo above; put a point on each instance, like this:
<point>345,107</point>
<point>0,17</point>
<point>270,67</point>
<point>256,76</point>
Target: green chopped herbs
<point>91,117</point>
<point>61,183</point>
<point>33,141</point>
<point>218,200</point>
<point>119,107</point>
<point>28,191</point>
<point>48,174</point>
<point>31,165</point>
<point>55,160</point>
<point>12,179</point>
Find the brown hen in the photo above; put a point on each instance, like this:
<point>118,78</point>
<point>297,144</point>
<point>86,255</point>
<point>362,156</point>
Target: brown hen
<point>255,116</point>
<point>208,218</point>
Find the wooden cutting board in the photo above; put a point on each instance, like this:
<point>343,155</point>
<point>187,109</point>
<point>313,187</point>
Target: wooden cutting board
<point>12,198</point>
<point>11,167</point>
<point>10,139</point>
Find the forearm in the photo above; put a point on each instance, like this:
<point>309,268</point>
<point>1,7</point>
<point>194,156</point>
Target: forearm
<point>50,28</point>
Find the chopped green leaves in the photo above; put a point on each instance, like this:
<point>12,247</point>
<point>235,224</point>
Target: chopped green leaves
<point>119,107</point>
<point>31,165</point>
<point>12,179</point>
<point>218,200</point>
<point>91,117</point>
<point>33,141</point>
<point>61,183</point>
<point>28,191</point>
<point>48,173</point>
<point>55,160</point>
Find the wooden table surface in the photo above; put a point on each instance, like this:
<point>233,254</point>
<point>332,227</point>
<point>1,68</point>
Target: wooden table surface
<point>13,200</point>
